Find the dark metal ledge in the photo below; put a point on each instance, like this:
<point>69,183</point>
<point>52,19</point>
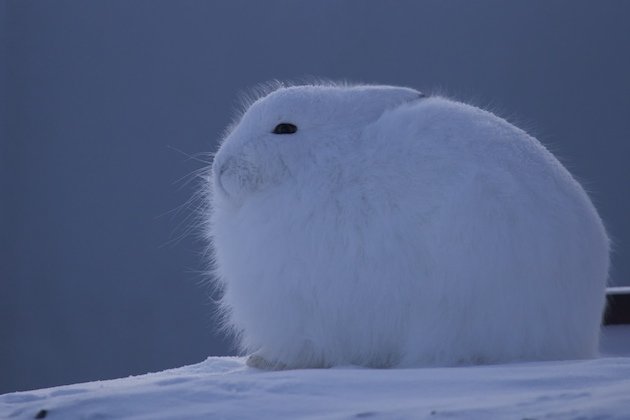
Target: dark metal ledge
<point>617,306</point>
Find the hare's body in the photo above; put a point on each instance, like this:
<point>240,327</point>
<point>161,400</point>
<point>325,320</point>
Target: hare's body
<point>396,230</point>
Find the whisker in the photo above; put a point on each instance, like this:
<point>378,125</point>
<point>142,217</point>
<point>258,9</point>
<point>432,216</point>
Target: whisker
<point>194,157</point>
<point>187,179</point>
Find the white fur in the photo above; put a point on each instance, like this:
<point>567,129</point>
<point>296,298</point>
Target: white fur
<point>398,230</point>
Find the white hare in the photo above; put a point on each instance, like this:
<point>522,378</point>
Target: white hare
<point>372,225</point>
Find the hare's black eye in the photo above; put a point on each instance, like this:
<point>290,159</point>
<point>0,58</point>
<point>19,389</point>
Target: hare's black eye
<point>285,128</point>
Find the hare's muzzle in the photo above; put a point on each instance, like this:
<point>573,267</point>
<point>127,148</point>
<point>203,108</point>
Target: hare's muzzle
<point>235,177</point>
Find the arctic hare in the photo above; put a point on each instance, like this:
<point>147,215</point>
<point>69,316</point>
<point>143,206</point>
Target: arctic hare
<point>374,226</point>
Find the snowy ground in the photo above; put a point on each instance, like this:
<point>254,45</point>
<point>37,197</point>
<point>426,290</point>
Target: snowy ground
<point>223,387</point>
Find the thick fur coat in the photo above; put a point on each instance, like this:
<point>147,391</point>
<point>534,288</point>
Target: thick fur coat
<point>394,229</point>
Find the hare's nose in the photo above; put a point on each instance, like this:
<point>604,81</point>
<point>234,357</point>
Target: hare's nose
<point>219,169</point>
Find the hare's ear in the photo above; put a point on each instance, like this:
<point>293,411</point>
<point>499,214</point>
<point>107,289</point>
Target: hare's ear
<point>417,95</point>
<point>392,96</point>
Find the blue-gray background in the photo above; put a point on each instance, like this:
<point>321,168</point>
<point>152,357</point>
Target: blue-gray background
<point>96,95</point>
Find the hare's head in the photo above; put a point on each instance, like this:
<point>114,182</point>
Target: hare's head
<point>298,131</point>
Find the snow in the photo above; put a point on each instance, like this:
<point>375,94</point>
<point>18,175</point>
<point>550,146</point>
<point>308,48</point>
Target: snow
<point>224,387</point>
<point>624,290</point>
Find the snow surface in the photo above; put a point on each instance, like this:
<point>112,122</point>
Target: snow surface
<point>225,388</point>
